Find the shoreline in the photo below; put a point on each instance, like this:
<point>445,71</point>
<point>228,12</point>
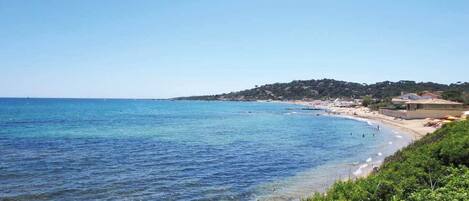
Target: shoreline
<point>412,129</point>
<point>415,127</point>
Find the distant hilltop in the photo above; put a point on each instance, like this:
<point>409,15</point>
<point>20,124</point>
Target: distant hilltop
<point>330,88</point>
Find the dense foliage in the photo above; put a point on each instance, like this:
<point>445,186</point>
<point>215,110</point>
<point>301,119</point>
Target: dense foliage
<point>433,168</point>
<point>367,100</point>
<point>455,95</point>
<point>329,88</point>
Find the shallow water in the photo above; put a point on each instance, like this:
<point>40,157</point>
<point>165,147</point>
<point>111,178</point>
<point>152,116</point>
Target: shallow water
<point>66,149</point>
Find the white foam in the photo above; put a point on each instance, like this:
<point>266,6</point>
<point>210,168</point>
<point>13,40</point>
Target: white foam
<point>379,154</point>
<point>389,142</point>
<point>369,123</point>
<point>368,160</point>
<point>398,136</point>
<point>358,172</point>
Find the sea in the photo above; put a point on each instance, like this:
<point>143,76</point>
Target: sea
<point>115,149</point>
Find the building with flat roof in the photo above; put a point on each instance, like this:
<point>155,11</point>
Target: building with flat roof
<point>432,104</point>
<point>426,108</point>
<point>402,99</point>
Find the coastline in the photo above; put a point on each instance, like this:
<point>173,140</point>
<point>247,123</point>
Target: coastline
<point>411,129</point>
<point>415,128</point>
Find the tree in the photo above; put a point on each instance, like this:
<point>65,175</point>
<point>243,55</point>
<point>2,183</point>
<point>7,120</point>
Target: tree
<point>367,100</point>
<point>452,95</point>
<point>465,97</point>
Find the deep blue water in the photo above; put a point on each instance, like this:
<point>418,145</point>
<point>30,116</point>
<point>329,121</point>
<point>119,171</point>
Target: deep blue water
<point>66,149</point>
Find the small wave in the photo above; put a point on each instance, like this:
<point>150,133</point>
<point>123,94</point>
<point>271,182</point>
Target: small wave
<point>390,142</point>
<point>380,154</point>
<point>369,160</point>
<point>398,136</point>
<point>359,171</point>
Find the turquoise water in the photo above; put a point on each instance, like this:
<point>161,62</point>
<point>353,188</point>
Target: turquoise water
<point>76,149</point>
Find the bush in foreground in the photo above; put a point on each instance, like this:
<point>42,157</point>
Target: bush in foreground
<point>433,168</point>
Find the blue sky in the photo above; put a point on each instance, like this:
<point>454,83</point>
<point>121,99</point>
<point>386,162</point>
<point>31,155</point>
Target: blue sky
<point>160,49</point>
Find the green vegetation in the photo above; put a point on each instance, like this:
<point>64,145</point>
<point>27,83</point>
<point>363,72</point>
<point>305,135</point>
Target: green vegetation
<point>367,100</point>
<point>433,168</point>
<point>455,95</point>
<point>384,103</point>
<point>452,95</point>
<point>329,88</point>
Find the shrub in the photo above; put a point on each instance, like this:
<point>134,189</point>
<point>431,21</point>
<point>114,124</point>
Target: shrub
<point>432,168</point>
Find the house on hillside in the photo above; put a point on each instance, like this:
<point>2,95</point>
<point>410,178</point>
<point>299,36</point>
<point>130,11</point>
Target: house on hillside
<point>426,108</point>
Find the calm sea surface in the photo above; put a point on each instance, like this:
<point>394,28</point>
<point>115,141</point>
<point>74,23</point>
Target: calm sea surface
<point>66,149</point>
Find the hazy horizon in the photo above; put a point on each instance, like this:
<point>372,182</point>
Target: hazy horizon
<point>160,49</point>
<point>58,97</point>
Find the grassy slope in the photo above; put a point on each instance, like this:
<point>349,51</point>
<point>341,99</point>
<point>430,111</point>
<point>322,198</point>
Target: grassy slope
<point>433,168</point>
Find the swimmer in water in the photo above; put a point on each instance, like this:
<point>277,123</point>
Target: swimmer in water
<point>363,135</point>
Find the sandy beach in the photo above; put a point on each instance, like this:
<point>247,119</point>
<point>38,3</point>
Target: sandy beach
<point>414,127</point>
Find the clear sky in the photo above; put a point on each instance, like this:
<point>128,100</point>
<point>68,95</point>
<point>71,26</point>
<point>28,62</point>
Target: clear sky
<point>167,48</point>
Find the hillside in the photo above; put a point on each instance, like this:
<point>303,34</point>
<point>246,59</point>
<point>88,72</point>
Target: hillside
<point>433,168</point>
<point>329,88</point>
